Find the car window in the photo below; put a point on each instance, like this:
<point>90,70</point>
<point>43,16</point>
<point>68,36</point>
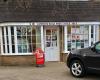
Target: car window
<point>97,47</point>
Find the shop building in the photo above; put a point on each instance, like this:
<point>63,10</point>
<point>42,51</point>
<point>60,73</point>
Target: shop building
<point>54,26</point>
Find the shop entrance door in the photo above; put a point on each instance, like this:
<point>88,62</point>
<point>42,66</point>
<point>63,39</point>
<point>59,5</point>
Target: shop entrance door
<point>52,52</point>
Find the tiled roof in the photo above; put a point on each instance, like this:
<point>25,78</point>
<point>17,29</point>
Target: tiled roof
<point>53,11</point>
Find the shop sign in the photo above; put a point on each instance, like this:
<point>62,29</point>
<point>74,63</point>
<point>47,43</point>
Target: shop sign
<point>50,23</point>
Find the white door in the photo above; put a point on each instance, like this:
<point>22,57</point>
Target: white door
<point>52,52</point>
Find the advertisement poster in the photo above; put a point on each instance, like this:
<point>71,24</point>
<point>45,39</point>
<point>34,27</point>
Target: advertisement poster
<point>75,37</point>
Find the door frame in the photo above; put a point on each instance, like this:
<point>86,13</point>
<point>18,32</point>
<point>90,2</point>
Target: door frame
<point>58,35</point>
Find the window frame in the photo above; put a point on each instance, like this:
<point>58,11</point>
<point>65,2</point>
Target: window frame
<point>15,41</point>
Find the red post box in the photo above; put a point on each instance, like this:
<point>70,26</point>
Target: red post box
<point>40,57</point>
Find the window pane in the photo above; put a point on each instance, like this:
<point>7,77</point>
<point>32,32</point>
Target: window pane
<point>29,30</point>
<point>4,48</point>
<point>48,32</point>
<point>18,30</point>
<point>77,36</point>
<point>33,31</point>
<point>24,48</point>
<point>38,45</point>
<point>28,38</point>
<point>33,47</point>
<point>24,41</point>
<point>29,47</point>
<point>92,29</point>
<point>69,29</point>
<point>33,39</point>
<point>13,48</point>
<point>7,39</point>
<point>6,30</point>
<point>13,40</point>
<point>20,48</point>
<point>19,39</point>
<point>12,30</point>
<point>8,48</point>
<point>86,29</point>
<point>23,32</point>
<point>3,39</point>
<point>38,37</point>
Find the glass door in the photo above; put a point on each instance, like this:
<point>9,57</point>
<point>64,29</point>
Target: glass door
<point>52,44</point>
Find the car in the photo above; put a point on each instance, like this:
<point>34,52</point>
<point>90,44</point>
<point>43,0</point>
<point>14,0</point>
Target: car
<point>82,61</point>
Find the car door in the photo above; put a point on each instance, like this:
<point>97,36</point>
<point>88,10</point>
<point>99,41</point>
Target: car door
<point>93,57</point>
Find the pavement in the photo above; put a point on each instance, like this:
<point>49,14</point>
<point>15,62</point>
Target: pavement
<point>51,71</point>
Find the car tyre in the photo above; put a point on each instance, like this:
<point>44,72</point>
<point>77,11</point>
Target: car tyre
<point>77,68</point>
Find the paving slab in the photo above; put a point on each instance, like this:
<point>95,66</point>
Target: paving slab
<point>51,71</point>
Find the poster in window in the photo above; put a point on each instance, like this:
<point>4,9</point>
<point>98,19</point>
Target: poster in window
<point>75,37</point>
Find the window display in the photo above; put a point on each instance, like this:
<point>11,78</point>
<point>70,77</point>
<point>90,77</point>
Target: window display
<point>29,39</point>
<point>24,38</point>
<point>77,36</point>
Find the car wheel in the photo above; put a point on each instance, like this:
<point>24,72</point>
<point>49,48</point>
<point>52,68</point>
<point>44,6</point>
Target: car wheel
<point>77,69</point>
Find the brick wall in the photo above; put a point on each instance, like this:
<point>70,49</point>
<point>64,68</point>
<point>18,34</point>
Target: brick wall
<point>63,57</point>
<point>17,60</point>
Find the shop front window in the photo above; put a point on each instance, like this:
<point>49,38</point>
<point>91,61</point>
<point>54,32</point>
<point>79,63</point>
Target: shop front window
<point>77,37</point>
<point>20,39</point>
<point>28,38</point>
